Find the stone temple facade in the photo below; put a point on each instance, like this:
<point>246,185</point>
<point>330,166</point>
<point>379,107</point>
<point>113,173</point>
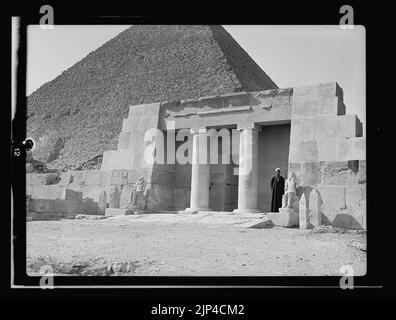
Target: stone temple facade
<point>304,130</point>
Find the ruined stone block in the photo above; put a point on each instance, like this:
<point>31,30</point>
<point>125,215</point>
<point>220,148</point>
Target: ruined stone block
<point>315,208</point>
<point>66,178</point>
<point>119,177</point>
<point>303,213</point>
<point>42,205</point>
<point>163,174</point>
<point>102,203</point>
<point>68,206</point>
<point>355,195</point>
<point>78,178</point>
<point>339,172</point>
<point>93,178</point>
<point>69,194</point>
<point>46,192</point>
<point>310,174</point>
<point>114,196</point>
<point>284,218</point>
<point>362,172</point>
<point>117,160</point>
<point>351,149</point>
<point>333,198</point>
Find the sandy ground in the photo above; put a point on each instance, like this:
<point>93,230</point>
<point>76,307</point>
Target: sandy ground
<point>124,247</point>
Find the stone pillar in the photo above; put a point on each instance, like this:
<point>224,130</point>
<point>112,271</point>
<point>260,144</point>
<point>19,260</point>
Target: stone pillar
<point>303,213</point>
<point>200,173</point>
<point>248,169</point>
<point>315,208</point>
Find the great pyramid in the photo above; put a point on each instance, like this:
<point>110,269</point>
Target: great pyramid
<point>78,115</point>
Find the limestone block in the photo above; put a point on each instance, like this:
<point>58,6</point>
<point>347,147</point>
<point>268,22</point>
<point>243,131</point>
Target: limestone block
<point>65,179</point>
<point>351,149</point>
<point>93,178</point>
<point>362,172</point>
<point>119,177</point>
<point>324,127</point>
<point>310,174</point>
<point>181,199</point>
<point>102,203</point>
<point>68,206</point>
<point>333,198</point>
<point>328,89</point>
<point>69,194</point>
<point>46,192</point>
<point>160,197</point>
<point>303,213</point>
<point>117,160</point>
<point>37,178</point>
<point>355,195</point>
<point>90,207</point>
<point>78,178</point>
<point>42,205</point>
<point>126,193</point>
<point>113,212</point>
<point>123,140</point>
<point>216,197</point>
<point>43,216</point>
<point>149,109</point>
<point>327,149</point>
<point>315,208</point>
<point>350,218</point>
<point>106,177</point>
<point>183,176</point>
<point>163,174</point>
<point>114,196</point>
<point>285,217</point>
<point>339,172</point>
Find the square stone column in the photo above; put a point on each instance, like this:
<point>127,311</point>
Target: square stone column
<point>248,169</point>
<point>200,172</point>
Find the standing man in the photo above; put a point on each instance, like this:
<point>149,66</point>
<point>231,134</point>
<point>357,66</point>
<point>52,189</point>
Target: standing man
<point>278,188</point>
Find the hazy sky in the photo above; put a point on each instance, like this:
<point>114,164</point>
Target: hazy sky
<point>291,55</point>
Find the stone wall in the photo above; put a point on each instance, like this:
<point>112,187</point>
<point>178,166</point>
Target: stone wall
<point>327,152</point>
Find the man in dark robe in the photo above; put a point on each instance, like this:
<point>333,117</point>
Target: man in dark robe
<point>278,189</point>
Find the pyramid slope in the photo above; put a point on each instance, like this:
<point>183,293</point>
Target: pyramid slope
<point>76,116</point>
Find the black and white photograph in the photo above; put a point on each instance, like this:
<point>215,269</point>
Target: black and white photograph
<point>188,151</point>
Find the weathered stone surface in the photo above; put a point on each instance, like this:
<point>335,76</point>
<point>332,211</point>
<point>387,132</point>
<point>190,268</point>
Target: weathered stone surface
<point>42,205</point>
<point>102,203</point>
<point>69,194</point>
<point>352,149</point>
<point>285,217</point>
<point>163,174</point>
<point>160,197</point>
<point>68,206</point>
<point>52,178</point>
<point>46,192</point>
<point>303,213</point>
<point>315,208</point>
<point>78,178</point>
<point>114,196</point>
<point>362,172</point>
<point>93,178</point>
<point>43,216</point>
<point>65,179</point>
<point>355,195</point>
<point>119,177</point>
<point>90,207</point>
<point>333,198</point>
<point>339,172</point>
